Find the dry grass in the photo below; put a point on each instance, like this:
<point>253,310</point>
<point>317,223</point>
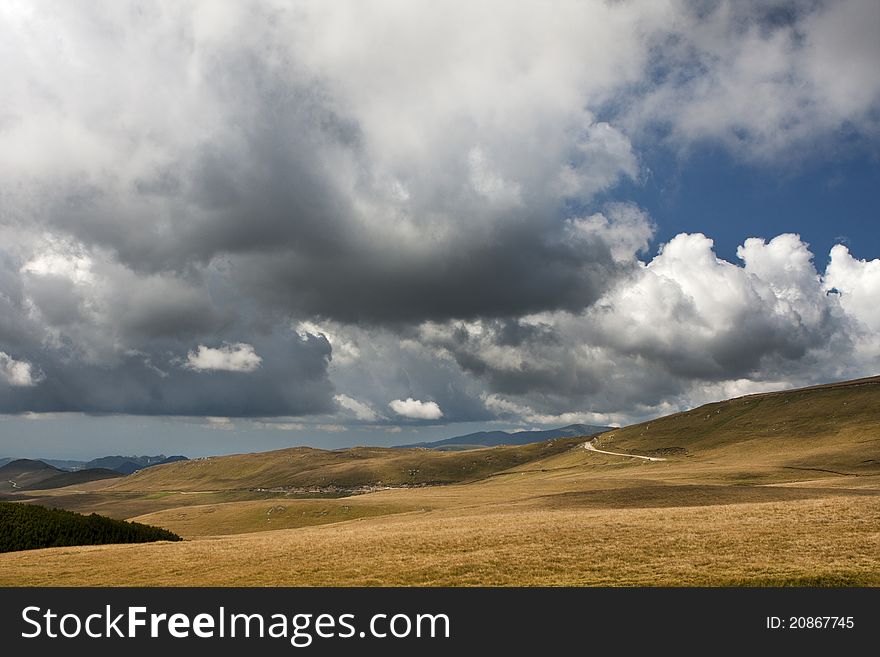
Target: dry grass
<point>833,428</point>
<point>816,541</point>
<point>125,505</point>
<point>765,490</point>
<point>306,467</point>
<point>244,517</point>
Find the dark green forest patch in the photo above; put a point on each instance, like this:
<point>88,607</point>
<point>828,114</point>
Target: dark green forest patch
<point>30,527</point>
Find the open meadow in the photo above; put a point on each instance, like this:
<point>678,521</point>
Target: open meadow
<point>772,489</point>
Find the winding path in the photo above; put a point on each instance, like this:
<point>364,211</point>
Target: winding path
<point>589,447</point>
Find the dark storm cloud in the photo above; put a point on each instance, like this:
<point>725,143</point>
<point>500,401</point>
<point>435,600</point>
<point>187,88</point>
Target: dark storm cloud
<point>266,195</point>
<point>13,325</point>
<point>514,271</point>
<point>120,343</point>
<point>291,380</point>
<point>280,212</point>
<point>203,176</point>
<point>260,188</point>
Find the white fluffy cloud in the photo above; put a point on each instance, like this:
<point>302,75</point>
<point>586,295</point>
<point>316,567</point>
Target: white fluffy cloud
<point>59,257</point>
<point>504,408</point>
<point>359,409</point>
<point>239,357</point>
<point>17,373</point>
<point>624,227</point>
<point>766,78</point>
<point>416,409</point>
<point>858,282</point>
<point>689,307</point>
<point>688,327</point>
<point>345,351</point>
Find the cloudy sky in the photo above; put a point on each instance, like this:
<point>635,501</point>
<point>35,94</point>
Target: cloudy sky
<point>232,226</point>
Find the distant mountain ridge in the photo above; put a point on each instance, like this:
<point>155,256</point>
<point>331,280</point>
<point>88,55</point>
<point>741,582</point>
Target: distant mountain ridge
<point>494,438</point>
<point>129,464</point>
<point>29,474</point>
<point>62,464</point>
<point>121,464</point>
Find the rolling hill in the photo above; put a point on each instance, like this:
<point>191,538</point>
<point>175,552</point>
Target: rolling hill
<point>824,430</point>
<point>21,473</point>
<point>61,464</point>
<point>495,438</point>
<point>335,471</point>
<point>78,477</point>
<point>128,464</point>
<point>27,474</point>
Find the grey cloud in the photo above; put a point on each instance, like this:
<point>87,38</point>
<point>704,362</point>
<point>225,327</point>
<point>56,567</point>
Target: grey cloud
<point>57,299</point>
<point>14,328</point>
<point>163,308</point>
<point>772,81</point>
<point>518,270</point>
<point>292,380</point>
<point>117,342</point>
<point>200,174</point>
<point>398,364</point>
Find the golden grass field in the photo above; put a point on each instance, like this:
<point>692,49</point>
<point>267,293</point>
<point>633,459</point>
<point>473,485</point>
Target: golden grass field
<point>776,489</point>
